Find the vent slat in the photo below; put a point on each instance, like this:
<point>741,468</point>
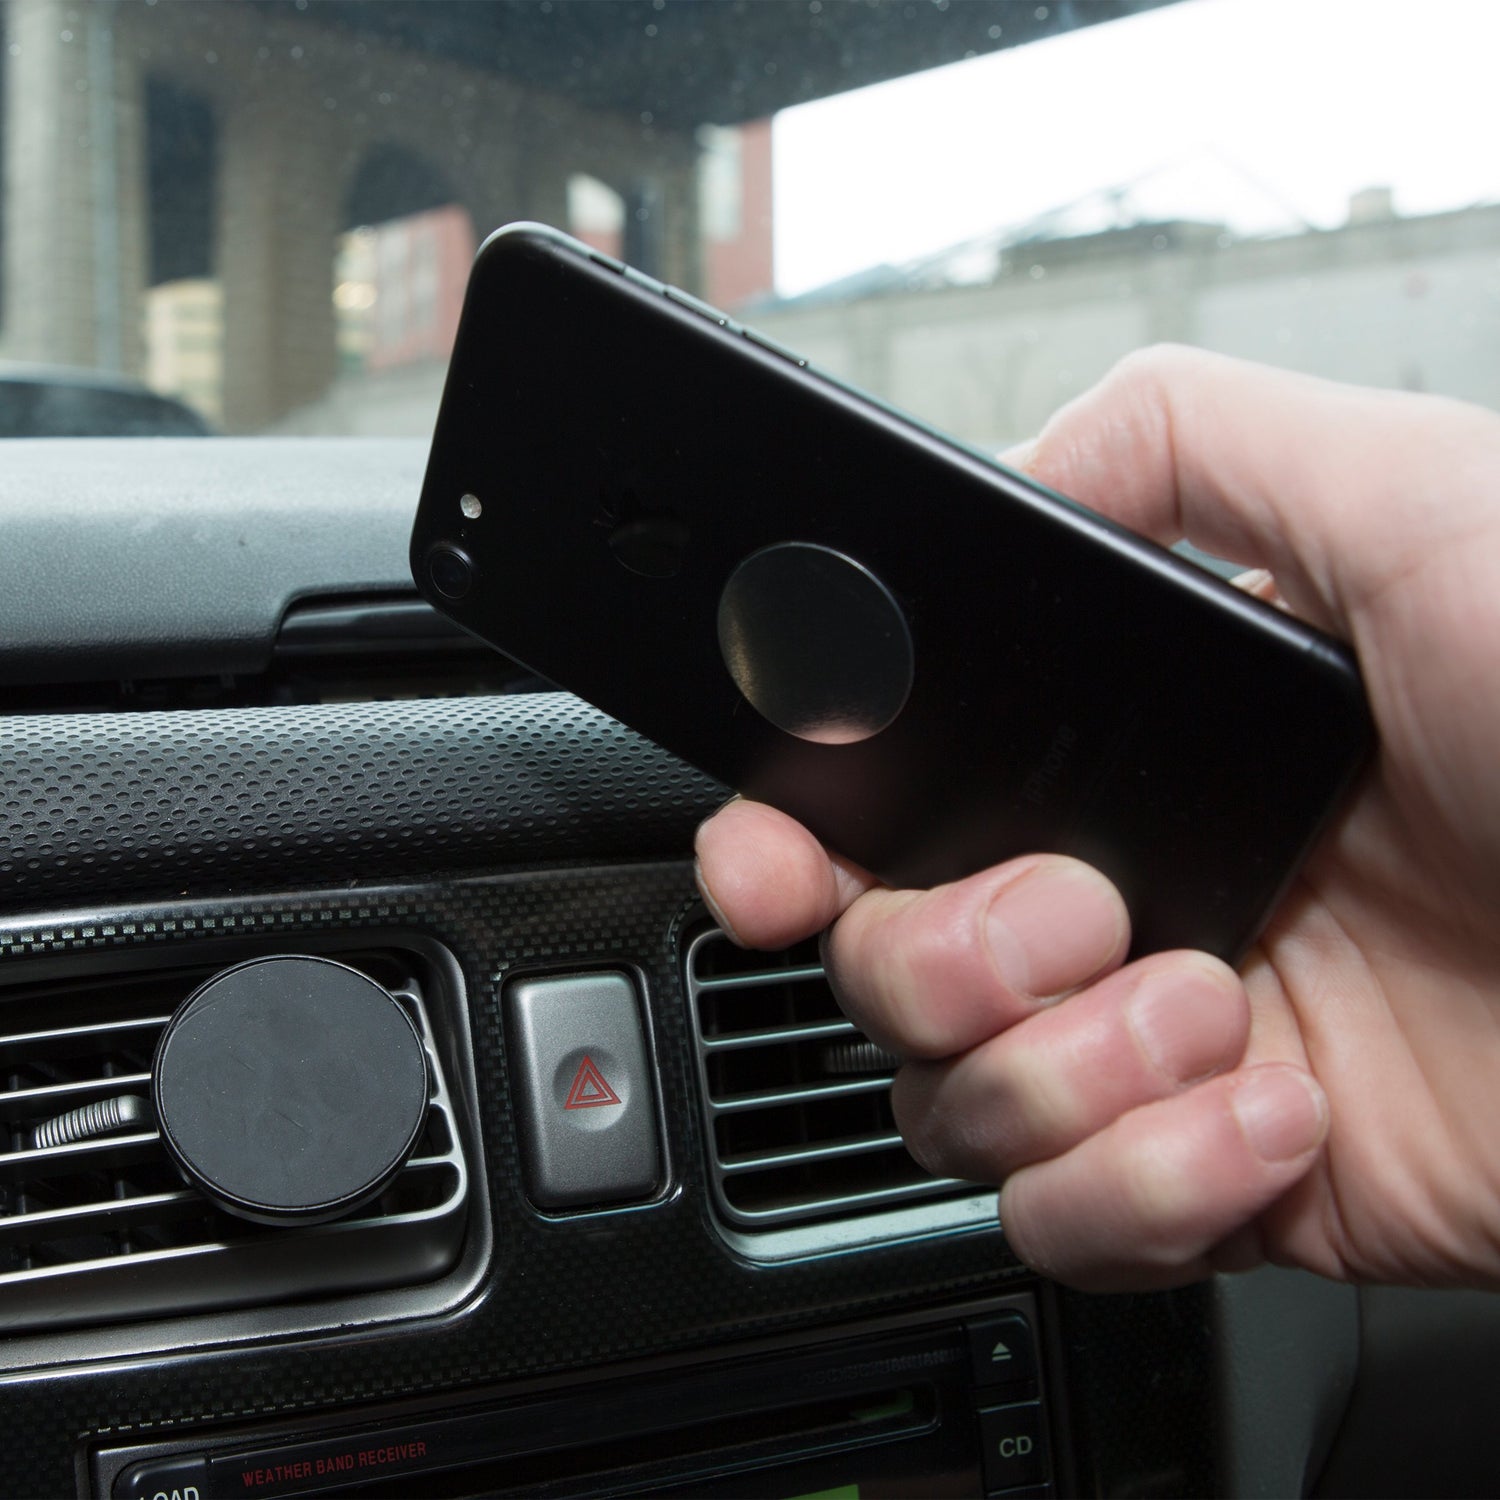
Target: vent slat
<point>793,1155</point>
<point>105,1154</point>
<point>779,1036</point>
<point>106,1213</point>
<point>81,1041</point>
<point>101,1031</point>
<point>795,1212</point>
<point>775,1098</point>
<point>427,1163</point>
<point>760,978</point>
<point>55,1098</point>
<point>121,1213</point>
<point>121,1150</point>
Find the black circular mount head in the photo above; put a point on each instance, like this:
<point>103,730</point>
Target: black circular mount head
<point>290,1089</point>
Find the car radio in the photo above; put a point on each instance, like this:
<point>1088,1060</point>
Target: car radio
<point>956,1407</point>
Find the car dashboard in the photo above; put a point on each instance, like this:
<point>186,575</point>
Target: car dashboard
<point>231,731</point>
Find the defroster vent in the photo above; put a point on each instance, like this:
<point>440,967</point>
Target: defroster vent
<point>105,1228</point>
<point>797,1099</point>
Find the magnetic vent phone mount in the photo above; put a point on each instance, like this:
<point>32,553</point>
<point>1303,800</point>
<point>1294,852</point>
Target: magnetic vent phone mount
<point>287,1089</point>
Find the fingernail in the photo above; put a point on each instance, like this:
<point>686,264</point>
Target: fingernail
<point>1018,455</point>
<point>1282,1112</point>
<point>1056,927</point>
<point>713,906</point>
<point>704,822</point>
<point>1184,1020</point>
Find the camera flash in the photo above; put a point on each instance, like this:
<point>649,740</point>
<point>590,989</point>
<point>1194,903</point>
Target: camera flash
<point>471,507</point>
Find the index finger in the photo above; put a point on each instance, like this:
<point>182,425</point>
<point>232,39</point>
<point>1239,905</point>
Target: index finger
<point>1328,486</point>
<point>768,882</point>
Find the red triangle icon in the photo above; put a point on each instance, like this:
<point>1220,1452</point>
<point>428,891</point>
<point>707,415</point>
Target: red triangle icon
<point>589,1089</point>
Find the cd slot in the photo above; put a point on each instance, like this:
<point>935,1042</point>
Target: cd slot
<point>721,1446</point>
<point>686,1430</point>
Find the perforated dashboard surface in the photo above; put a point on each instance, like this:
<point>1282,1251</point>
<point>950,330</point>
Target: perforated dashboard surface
<point>192,803</point>
<point>379,819</point>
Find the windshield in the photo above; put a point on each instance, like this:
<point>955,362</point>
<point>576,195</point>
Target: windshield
<point>265,212</point>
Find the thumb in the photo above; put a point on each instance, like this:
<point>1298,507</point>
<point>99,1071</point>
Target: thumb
<point>1330,487</point>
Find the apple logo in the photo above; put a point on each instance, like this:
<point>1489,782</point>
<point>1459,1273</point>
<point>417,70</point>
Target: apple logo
<point>646,539</point>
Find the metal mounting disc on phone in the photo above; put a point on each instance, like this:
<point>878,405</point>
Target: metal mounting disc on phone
<point>816,642</point>
<point>290,1089</point>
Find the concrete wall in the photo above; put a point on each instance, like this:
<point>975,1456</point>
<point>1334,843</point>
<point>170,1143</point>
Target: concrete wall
<point>1406,303</point>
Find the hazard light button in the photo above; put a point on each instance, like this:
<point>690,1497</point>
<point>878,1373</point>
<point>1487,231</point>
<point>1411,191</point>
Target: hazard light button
<point>584,1090</point>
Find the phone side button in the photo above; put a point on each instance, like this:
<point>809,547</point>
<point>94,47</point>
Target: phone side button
<point>770,345</point>
<point>640,279</point>
<point>693,304</point>
<point>608,261</point>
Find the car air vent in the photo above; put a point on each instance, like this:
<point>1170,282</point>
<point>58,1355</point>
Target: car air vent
<point>105,1229</point>
<point>797,1100</point>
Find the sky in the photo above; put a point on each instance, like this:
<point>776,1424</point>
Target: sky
<point>1263,114</point>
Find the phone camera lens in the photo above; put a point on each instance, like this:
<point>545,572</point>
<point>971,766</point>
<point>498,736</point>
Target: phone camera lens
<point>450,571</point>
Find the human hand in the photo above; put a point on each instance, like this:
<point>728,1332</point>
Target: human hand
<point>1331,1106</point>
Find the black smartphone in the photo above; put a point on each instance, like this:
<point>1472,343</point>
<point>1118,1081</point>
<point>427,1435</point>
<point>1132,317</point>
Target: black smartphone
<point>931,662</point>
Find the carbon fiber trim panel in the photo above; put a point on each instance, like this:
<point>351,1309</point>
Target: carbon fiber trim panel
<point>563,1293</point>
<point>167,804</point>
<point>1142,1400</point>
